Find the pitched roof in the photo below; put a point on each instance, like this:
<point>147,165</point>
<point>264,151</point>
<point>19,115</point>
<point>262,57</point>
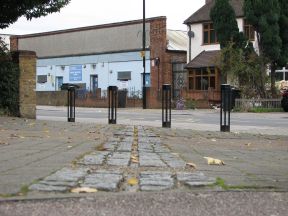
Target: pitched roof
<point>204,59</point>
<point>203,14</point>
<point>177,40</point>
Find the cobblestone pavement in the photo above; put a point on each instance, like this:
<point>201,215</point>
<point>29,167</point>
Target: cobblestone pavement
<point>49,158</point>
<point>133,159</point>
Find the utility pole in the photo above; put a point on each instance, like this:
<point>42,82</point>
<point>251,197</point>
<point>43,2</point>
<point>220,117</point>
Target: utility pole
<point>144,57</point>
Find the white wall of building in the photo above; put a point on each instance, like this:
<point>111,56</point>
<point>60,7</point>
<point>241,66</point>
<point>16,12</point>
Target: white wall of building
<point>105,66</point>
<point>197,45</point>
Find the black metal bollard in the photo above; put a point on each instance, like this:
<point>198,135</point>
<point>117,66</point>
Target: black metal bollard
<point>225,108</point>
<point>112,104</point>
<point>70,100</point>
<point>166,106</point>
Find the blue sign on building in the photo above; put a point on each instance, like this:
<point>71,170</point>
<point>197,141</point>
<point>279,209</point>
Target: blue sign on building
<point>75,73</point>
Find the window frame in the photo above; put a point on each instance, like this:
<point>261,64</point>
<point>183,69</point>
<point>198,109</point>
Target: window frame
<point>204,72</point>
<point>209,30</point>
<point>126,75</point>
<point>250,28</point>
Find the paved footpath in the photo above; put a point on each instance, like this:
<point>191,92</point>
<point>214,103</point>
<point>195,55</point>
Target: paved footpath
<point>56,157</point>
<point>138,170</point>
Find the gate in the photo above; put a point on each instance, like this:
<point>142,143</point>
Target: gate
<point>179,79</point>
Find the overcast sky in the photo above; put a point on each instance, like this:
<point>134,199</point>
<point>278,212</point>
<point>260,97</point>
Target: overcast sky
<point>81,13</point>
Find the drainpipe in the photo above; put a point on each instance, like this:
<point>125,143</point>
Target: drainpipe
<point>190,35</point>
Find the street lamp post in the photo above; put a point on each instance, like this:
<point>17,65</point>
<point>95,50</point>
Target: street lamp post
<point>144,58</point>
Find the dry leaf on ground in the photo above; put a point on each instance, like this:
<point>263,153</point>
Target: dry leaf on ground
<point>214,161</point>
<point>132,181</point>
<point>191,165</point>
<point>84,190</point>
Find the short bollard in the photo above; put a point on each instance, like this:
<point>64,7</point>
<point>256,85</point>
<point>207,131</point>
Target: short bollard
<point>112,104</point>
<point>70,100</point>
<point>225,108</point>
<point>166,106</point>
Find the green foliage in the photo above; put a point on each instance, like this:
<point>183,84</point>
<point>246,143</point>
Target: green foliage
<point>283,23</point>
<point>9,82</point>
<point>11,10</point>
<point>190,104</point>
<point>243,69</point>
<point>264,110</point>
<point>224,20</point>
<point>265,17</point>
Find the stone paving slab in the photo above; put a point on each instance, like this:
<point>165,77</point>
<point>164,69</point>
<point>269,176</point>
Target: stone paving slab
<point>195,179</point>
<point>150,181</point>
<point>48,188</point>
<point>124,147</point>
<point>150,160</point>
<point>103,180</point>
<point>67,174</point>
<point>172,160</point>
<point>119,159</point>
<point>96,158</point>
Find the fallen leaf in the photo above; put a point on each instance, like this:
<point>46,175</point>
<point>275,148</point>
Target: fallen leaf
<point>3,143</point>
<point>248,144</point>
<point>133,157</point>
<point>83,190</point>
<point>134,161</point>
<point>69,147</point>
<point>132,181</point>
<point>191,165</point>
<point>214,161</point>
<point>213,140</point>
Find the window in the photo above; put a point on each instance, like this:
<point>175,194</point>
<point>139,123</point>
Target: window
<point>209,34</point>
<point>202,79</point>
<point>249,30</point>
<point>124,75</point>
<point>41,78</point>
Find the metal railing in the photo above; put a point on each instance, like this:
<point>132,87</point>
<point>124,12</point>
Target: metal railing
<point>246,104</point>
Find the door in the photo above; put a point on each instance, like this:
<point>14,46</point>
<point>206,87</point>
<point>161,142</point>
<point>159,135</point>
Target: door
<point>59,82</point>
<point>93,83</point>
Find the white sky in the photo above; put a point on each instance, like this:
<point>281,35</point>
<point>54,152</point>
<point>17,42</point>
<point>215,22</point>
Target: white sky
<point>81,13</point>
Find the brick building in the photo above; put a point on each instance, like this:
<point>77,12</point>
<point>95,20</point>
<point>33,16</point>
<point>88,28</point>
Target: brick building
<point>96,57</point>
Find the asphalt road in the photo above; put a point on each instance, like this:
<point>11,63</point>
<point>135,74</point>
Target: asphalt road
<point>160,204</point>
<point>271,123</point>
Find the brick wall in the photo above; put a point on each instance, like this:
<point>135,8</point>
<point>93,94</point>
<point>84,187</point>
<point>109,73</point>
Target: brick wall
<point>27,83</point>
<point>13,43</point>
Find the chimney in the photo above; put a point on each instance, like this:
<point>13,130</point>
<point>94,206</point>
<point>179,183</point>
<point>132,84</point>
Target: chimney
<point>208,1</point>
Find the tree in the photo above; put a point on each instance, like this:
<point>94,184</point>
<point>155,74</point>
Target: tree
<point>283,23</point>
<point>11,10</point>
<point>243,68</point>
<point>9,82</point>
<point>224,20</point>
<point>264,16</point>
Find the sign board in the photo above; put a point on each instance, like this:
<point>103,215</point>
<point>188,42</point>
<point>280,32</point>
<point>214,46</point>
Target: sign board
<point>75,73</point>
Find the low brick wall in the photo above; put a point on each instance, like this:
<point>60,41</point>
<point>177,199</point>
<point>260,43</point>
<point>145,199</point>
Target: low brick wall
<point>51,98</point>
<point>59,98</point>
